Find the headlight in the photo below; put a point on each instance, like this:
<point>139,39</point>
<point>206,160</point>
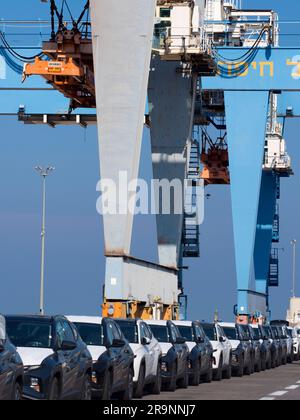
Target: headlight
<point>35,384</point>
<point>94,378</point>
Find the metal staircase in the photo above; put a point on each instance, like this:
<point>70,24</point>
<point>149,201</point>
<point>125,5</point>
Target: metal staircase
<point>273,280</point>
<point>191,234</point>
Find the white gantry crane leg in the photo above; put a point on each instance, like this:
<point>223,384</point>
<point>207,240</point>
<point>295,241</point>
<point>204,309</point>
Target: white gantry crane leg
<point>122,40</point>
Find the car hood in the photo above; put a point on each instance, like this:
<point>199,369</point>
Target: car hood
<point>234,344</point>
<point>96,351</point>
<point>215,344</point>
<point>33,356</point>
<point>165,347</point>
<point>190,345</point>
<point>135,347</point>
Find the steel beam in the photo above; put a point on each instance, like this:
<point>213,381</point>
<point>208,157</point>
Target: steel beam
<point>122,34</point>
<point>170,99</point>
<point>246,115</point>
<point>264,230</point>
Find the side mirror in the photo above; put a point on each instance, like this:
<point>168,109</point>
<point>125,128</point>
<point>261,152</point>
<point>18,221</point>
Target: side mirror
<point>68,346</point>
<point>222,340</point>
<point>180,340</point>
<point>200,340</point>
<point>118,343</point>
<point>146,341</point>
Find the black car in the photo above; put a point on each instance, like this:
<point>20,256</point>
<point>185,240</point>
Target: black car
<point>278,333</point>
<point>201,351</point>
<point>255,345</point>
<point>267,334</point>
<point>112,357</point>
<point>175,355</point>
<point>265,347</point>
<point>11,367</point>
<point>242,352</point>
<point>57,363</point>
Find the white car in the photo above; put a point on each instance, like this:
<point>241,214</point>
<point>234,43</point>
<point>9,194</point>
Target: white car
<point>222,351</point>
<point>148,354</point>
<point>293,333</point>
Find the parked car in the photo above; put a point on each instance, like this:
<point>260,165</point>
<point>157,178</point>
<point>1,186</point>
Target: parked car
<point>278,334</point>
<point>148,354</point>
<point>296,342</point>
<point>256,352</point>
<point>222,366</point>
<point>112,356</point>
<point>265,347</point>
<point>11,367</point>
<point>175,354</point>
<point>57,363</point>
<point>275,346</point>
<point>290,344</point>
<point>241,349</point>
<point>201,351</point>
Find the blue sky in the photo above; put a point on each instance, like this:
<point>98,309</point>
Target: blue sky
<point>75,263</point>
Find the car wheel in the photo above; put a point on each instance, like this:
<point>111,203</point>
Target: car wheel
<point>86,394</point>
<point>139,390</point>
<point>195,380</point>
<point>228,372</point>
<point>17,392</point>
<point>54,391</point>
<point>241,368</point>
<point>208,377</point>
<point>184,381</point>
<point>155,387</point>
<point>218,374</point>
<point>127,394</point>
<point>107,391</point>
<point>172,384</point>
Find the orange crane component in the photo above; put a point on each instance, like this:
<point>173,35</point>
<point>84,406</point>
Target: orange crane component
<point>215,160</point>
<point>69,65</point>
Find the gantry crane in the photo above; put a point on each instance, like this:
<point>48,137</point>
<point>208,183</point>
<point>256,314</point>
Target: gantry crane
<point>210,62</point>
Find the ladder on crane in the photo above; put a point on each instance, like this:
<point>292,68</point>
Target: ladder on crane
<point>273,280</point>
<point>191,232</point>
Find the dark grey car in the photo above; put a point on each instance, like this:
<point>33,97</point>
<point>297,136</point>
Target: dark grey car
<point>11,367</point>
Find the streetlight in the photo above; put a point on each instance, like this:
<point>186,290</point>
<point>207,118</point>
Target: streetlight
<point>294,243</point>
<point>43,172</point>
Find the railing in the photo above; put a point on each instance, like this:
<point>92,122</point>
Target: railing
<point>186,38</point>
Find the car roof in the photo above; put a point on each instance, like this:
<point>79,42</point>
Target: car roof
<point>227,324</point>
<point>45,318</point>
<point>183,323</point>
<point>153,322</point>
<point>85,319</point>
<point>130,320</point>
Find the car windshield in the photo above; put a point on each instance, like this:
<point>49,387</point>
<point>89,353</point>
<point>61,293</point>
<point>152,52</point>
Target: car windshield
<point>231,333</point>
<point>246,332</point>
<point>210,332</point>
<point>161,333</point>
<point>30,333</point>
<point>91,334</point>
<point>256,334</point>
<point>130,331</point>
<point>186,332</point>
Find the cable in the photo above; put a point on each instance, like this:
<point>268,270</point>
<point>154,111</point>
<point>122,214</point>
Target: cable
<point>17,55</point>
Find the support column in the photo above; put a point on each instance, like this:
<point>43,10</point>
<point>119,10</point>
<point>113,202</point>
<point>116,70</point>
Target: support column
<point>246,114</point>
<point>122,41</point>
<point>170,100</point>
<point>264,230</point>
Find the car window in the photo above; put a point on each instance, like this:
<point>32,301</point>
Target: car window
<point>161,333</point>
<point>150,335</point>
<point>187,332</point>
<point>199,333</point>
<point>210,332</point>
<point>91,334</point>
<point>145,331</point>
<point>174,332</point>
<point>231,333</point>
<point>117,335</point>
<point>75,331</point>
<point>129,330</point>
<point>110,333</point>
<point>68,331</point>
<point>29,333</point>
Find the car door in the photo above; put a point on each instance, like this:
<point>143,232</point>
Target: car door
<point>5,372</point>
<point>69,360</point>
<point>226,345</point>
<point>178,347</point>
<point>117,355</point>
<point>206,355</point>
<point>148,349</point>
<point>155,351</point>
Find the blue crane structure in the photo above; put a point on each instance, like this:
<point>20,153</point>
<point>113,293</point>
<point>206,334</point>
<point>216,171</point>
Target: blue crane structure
<point>224,71</point>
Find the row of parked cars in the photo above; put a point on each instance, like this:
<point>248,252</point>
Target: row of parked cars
<point>54,358</point>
